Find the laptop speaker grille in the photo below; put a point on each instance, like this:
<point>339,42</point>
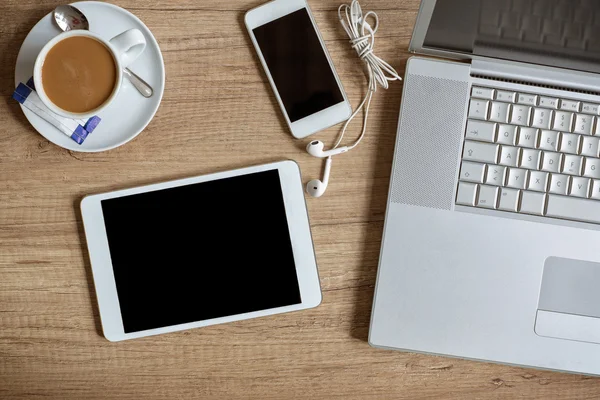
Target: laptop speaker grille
<point>428,141</point>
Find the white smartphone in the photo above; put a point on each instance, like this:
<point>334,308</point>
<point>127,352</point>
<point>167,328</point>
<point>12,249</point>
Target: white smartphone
<point>298,66</point>
<point>201,251</point>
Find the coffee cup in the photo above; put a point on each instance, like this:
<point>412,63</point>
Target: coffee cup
<point>80,78</point>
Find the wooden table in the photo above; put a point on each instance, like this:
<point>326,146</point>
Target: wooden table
<point>217,113</point>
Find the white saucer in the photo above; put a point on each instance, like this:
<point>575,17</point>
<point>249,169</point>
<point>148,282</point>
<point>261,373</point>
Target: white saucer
<point>130,112</point>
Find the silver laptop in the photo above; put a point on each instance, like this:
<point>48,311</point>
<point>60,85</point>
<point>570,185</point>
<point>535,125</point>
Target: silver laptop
<point>491,247</point>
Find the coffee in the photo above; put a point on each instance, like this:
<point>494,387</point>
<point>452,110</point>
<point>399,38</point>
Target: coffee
<point>79,74</point>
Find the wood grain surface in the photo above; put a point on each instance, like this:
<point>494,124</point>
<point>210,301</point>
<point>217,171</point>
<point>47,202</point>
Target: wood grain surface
<point>217,113</point>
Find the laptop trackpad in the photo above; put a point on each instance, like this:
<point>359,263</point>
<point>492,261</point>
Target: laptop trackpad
<point>569,305</point>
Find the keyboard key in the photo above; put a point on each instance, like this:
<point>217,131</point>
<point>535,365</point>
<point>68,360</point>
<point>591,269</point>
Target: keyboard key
<point>490,16</point>
<point>554,40</point>
<point>580,187</point>
<point>589,108</point>
<point>561,11</point>
<point>466,193</point>
<point>551,162</point>
<point>563,121</point>
<point>589,146</point>
<point>540,8</point>
<point>491,30</point>
<point>594,44</point>
<point>592,168</point>
<point>478,109</point>
<point>583,124</point>
<point>509,199</point>
<point>548,26</point>
<point>482,152</point>
<point>520,115</point>
<point>573,208</point>
<point>517,178</point>
<point>538,181</point>
<point>527,99</point>
<point>552,29</point>
<point>572,165</point>
<point>499,112</point>
<point>495,175</point>
<point>506,96</point>
<point>479,130</point>
<point>533,37</point>
<point>482,93</point>
<point>523,7</point>
<point>548,140</point>
<point>548,102</point>
<point>532,203</point>
<point>509,156</point>
<point>509,20</point>
<point>583,15</point>
<point>596,190</point>
<point>531,23</point>
<point>592,31</point>
<point>541,118</point>
<point>512,34</point>
<point>569,105</point>
<point>507,134</point>
<point>569,143</point>
<point>527,137</point>
<point>575,44</point>
<point>530,159</point>
<point>472,172</point>
<point>559,184</point>
<point>488,196</point>
<point>573,31</point>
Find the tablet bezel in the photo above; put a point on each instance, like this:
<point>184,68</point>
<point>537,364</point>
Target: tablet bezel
<point>300,235</point>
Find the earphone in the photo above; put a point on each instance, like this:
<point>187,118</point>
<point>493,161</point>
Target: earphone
<point>379,72</point>
<point>315,149</point>
<point>316,187</point>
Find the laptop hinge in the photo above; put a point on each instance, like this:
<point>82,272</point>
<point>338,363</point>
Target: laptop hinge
<point>533,75</point>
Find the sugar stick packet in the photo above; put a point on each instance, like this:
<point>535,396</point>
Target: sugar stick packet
<point>76,129</point>
<point>88,124</point>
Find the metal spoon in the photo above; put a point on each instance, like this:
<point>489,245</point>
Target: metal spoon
<point>70,18</point>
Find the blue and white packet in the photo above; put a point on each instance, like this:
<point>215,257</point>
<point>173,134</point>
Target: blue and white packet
<point>76,129</point>
<point>88,124</point>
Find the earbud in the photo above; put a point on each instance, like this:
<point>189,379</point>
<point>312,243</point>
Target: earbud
<point>315,149</point>
<point>316,188</point>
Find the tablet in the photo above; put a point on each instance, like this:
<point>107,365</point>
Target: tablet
<point>201,251</point>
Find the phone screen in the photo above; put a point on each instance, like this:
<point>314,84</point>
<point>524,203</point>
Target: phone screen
<point>298,65</point>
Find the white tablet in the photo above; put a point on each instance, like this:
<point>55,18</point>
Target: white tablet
<point>201,251</point>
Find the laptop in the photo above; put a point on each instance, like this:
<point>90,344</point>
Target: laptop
<point>491,245</point>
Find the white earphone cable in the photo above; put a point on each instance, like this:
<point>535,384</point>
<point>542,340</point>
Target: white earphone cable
<point>379,72</point>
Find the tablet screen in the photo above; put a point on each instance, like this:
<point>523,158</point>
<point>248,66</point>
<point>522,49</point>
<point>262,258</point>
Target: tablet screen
<point>202,251</point>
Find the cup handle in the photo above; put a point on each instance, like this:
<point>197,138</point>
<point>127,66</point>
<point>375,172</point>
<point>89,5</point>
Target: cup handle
<point>129,45</point>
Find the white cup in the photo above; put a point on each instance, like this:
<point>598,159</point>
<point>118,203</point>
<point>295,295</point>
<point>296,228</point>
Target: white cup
<point>125,48</point>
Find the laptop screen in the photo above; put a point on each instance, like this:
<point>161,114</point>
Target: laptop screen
<point>561,33</point>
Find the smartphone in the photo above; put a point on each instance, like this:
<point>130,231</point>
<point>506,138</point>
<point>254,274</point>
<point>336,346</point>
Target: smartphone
<point>298,66</point>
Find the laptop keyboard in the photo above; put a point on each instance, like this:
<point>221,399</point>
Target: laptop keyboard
<point>531,154</point>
